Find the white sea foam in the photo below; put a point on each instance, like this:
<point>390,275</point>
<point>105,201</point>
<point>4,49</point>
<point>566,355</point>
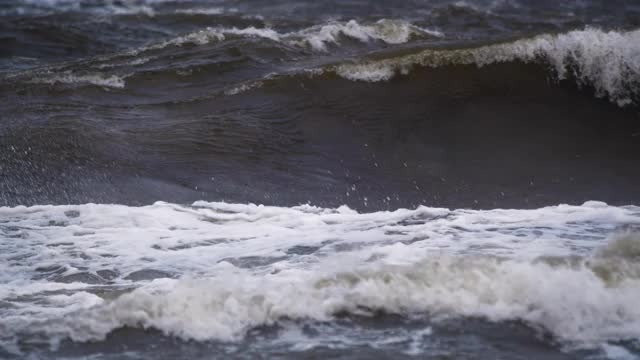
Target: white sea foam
<point>388,31</point>
<point>112,81</point>
<point>222,269</point>
<point>239,89</point>
<point>573,303</point>
<point>107,8</point>
<point>201,11</point>
<point>316,37</point>
<point>208,35</point>
<point>608,61</point>
<point>487,7</point>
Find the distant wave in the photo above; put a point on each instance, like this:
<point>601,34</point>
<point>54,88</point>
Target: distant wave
<point>316,37</point>
<point>93,79</point>
<point>607,61</point>
<point>40,7</point>
<point>201,11</point>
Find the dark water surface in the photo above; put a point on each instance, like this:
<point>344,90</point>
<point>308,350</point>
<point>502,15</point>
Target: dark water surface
<point>137,101</point>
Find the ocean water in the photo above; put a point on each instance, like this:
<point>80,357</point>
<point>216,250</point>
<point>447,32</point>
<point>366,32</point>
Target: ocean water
<point>319,179</point>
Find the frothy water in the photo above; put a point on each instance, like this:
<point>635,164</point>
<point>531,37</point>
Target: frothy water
<point>214,271</point>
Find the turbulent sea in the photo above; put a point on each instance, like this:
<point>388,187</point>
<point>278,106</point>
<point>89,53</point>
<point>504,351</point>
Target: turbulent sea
<point>346,179</point>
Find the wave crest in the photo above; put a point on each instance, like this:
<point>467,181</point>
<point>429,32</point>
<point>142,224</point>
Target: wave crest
<point>316,38</point>
<point>388,31</point>
<point>607,61</point>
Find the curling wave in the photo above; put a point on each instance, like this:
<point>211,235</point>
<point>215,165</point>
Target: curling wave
<point>607,61</point>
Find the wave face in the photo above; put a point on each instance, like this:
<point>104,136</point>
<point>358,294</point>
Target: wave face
<point>216,271</point>
<point>182,114</point>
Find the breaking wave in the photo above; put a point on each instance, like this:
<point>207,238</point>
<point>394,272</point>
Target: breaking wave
<point>572,302</point>
<point>607,61</point>
<point>316,37</point>
<point>551,268</point>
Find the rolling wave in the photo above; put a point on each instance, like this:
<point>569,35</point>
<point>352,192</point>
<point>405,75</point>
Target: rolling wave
<point>605,61</point>
<point>214,271</point>
<point>317,37</point>
<point>571,302</point>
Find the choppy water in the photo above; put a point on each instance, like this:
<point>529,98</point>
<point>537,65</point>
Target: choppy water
<point>361,126</point>
<point>305,279</point>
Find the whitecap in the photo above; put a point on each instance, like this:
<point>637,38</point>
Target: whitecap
<point>609,61</point>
